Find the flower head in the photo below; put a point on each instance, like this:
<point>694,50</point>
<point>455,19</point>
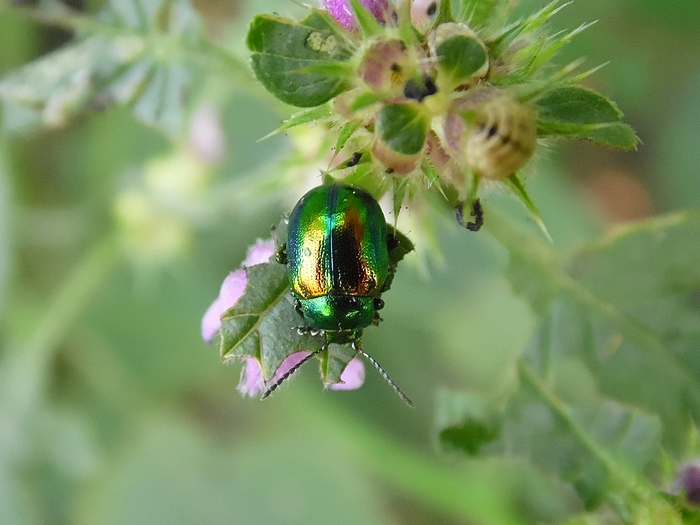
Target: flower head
<point>252,383</point>
<point>342,11</point>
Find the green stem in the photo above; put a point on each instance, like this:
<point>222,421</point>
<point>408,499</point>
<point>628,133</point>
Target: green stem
<point>614,469</point>
<point>24,368</point>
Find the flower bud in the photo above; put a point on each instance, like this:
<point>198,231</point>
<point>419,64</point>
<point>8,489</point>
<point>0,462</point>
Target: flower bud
<point>503,139</point>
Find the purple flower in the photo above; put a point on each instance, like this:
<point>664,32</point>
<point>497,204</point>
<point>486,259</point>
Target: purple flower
<point>687,481</point>
<point>233,286</point>
<point>343,13</point>
<point>252,383</point>
<point>352,377</point>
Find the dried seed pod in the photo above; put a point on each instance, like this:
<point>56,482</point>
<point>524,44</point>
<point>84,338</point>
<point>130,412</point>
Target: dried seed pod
<point>503,140</point>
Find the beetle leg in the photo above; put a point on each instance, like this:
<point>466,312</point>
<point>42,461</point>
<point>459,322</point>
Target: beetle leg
<point>281,255</point>
<point>297,307</point>
<point>477,212</point>
<point>313,332</point>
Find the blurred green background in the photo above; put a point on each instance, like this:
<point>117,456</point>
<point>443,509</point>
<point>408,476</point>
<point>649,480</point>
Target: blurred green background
<point>114,411</point>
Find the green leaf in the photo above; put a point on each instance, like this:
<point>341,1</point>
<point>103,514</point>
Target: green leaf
<point>345,133</point>
<point>262,324</point>
<point>636,292</point>
<point>465,422</point>
<point>584,114</point>
<point>288,57</point>
<point>137,54</point>
<point>478,12</point>
<point>558,420</point>
<point>303,117</point>
<point>516,185</point>
<point>403,127</point>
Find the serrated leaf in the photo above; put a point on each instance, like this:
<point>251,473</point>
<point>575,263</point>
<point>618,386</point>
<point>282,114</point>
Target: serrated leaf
<point>345,133</point>
<point>284,51</point>
<point>558,421</point>
<point>636,292</point>
<point>303,117</point>
<point>262,324</point>
<point>582,113</point>
<point>403,127</point>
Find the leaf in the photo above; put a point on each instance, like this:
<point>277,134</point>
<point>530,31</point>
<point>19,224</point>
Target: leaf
<point>262,324</point>
<point>583,114</point>
<point>403,127</point>
<point>465,422</point>
<point>478,12</point>
<point>286,52</point>
<point>558,420</point>
<point>368,23</point>
<point>303,117</point>
<point>136,54</point>
<point>517,187</point>
<point>636,294</point>
<point>345,133</point>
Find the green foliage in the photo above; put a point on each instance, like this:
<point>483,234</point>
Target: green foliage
<point>288,57</point>
<point>621,305</point>
<point>583,114</point>
<point>460,57</point>
<point>566,371</point>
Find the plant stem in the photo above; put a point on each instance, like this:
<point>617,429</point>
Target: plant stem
<point>24,368</point>
<point>614,469</point>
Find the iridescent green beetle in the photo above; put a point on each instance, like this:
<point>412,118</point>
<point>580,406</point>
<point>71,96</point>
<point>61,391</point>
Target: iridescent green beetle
<point>338,263</point>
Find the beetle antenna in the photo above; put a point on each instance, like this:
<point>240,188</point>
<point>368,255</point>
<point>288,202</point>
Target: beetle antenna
<point>289,372</point>
<point>386,377</point>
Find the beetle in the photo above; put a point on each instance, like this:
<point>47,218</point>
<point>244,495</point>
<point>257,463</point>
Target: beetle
<point>339,264</point>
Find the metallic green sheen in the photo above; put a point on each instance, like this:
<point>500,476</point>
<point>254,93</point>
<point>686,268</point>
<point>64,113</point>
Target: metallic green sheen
<point>337,256</point>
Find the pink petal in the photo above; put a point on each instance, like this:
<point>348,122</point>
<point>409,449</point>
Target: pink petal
<point>251,382</point>
<point>233,287</point>
<point>352,377</point>
<point>261,252</point>
<point>343,13</point>
<point>289,362</point>
<point>231,290</point>
<point>419,12</point>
